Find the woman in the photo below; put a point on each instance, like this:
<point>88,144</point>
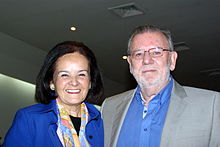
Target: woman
<point>68,79</point>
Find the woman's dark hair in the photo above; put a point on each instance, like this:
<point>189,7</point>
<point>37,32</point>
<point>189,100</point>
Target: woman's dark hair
<point>43,92</point>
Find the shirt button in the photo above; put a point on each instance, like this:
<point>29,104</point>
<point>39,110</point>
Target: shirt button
<point>90,137</point>
<point>145,111</point>
<point>145,129</point>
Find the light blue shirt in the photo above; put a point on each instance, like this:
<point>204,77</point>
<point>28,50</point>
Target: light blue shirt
<point>143,125</point>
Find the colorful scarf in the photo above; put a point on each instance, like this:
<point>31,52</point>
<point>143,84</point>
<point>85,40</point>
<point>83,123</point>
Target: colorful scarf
<point>70,137</point>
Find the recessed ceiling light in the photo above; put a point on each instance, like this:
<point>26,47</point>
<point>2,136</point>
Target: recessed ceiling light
<point>72,28</point>
<point>124,57</point>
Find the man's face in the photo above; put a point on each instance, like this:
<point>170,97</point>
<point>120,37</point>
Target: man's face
<point>151,71</point>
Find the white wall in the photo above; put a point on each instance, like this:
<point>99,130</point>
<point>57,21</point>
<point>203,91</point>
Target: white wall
<point>19,59</point>
<point>14,94</point>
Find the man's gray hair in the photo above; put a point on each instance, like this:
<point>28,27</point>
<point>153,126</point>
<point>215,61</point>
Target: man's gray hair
<point>150,28</point>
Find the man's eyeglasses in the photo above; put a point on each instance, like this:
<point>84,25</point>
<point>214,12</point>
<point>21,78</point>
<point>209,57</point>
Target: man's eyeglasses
<point>138,54</point>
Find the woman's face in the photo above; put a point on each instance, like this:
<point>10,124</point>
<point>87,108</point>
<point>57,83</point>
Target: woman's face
<point>71,79</point>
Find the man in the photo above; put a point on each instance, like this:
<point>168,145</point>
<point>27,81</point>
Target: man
<point>159,112</point>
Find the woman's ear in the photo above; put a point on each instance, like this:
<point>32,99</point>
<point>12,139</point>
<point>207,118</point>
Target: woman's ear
<point>90,85</point>
<point>52,87</point>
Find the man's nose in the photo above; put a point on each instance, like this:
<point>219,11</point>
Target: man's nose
<point>147,59</point>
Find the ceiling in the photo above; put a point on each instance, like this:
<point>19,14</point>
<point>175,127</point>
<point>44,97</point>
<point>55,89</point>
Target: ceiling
<point>30,28</point>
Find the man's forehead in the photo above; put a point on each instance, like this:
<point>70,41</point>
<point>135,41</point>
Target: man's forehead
<point>148,38</point>
<point>150,34</point>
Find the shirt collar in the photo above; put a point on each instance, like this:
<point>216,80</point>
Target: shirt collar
<point>158,97</point>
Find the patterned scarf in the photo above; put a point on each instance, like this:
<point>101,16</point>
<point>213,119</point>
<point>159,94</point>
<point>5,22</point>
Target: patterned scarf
<point>70,137</point>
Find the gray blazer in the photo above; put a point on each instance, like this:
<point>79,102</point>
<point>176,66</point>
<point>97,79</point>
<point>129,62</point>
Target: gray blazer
<point>193,118</point>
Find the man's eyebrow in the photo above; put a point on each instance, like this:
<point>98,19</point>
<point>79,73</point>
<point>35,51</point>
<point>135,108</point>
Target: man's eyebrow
<point>138,49</point>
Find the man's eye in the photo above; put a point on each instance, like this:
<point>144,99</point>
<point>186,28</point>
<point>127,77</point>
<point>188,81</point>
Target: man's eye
<point>156,53</point>
<point>138,54</point>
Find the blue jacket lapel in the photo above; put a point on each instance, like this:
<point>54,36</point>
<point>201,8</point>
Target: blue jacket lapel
<point>51,111</point>
<point>53,135</point>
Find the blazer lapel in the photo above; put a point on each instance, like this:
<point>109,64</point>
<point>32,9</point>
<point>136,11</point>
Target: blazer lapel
<point>121,110</point>
<point>52,129</point>
<point>176,108</point>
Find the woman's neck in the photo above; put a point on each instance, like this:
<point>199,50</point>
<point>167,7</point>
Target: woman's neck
<point>73,110</point>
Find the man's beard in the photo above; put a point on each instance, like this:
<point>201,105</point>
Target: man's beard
<point>158,81</point>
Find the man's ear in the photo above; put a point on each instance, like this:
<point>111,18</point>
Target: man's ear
<point>130,64</point>
<point>129,60</point>
<point>173,58</point>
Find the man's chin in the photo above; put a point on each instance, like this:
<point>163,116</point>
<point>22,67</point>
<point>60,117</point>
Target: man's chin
<point>147,83</point>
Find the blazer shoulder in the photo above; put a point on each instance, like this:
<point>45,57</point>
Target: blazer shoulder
<point>37,108</point>
<point>201,95</point>
<point>187,91</point>
<point>199,91</point>
<point>112,102</point>
<point>31,108</point>
<point>120,96</point>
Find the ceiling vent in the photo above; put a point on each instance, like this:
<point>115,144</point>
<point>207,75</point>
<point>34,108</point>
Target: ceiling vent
<point>211,72</point>
<point>126,10</point>
<point>181,46</point>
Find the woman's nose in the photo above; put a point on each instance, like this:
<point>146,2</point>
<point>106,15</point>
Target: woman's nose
<point>74,81</point>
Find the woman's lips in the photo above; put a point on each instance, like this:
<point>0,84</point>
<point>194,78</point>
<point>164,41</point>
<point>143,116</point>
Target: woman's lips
<point>73,91</point>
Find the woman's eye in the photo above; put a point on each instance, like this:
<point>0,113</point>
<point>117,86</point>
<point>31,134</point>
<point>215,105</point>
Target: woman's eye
<point>82,75</point>
<point>64,75</point>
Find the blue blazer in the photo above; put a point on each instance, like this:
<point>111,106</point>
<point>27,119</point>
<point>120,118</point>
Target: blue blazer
<point>36,126</point>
